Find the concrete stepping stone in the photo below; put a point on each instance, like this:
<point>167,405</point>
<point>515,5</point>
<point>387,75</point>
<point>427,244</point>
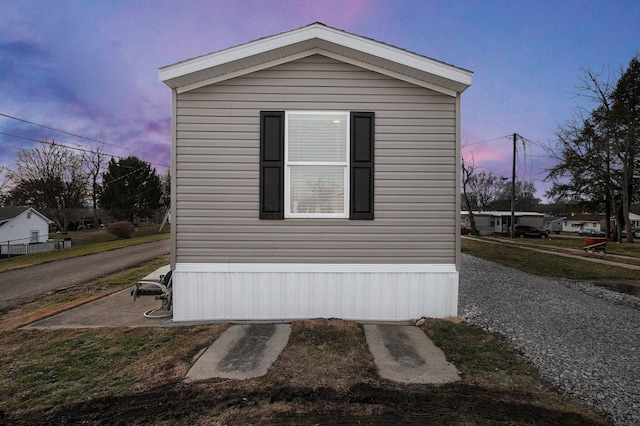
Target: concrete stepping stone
<point>241,352</point>
<point>405,354</point>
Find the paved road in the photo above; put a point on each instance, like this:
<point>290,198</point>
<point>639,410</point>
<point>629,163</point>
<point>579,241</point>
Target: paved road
<point>23,285</point>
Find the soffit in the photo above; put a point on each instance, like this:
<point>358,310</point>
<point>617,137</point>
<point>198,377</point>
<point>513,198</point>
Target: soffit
<point>310,40</point>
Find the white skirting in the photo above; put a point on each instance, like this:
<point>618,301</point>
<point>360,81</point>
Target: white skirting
<point>237,291</point>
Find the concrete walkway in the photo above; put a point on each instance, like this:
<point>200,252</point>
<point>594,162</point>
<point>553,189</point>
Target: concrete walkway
<point>241,352</point>
<point>402,353</point>
<point>116,310</point>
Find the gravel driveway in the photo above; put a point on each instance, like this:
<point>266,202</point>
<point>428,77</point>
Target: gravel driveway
<point>583,339</point>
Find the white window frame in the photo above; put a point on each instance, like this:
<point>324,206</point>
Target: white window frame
<point>33,233</point>
<point>287,164</point>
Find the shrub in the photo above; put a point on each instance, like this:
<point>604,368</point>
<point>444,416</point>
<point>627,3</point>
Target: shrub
<point>122,230</point>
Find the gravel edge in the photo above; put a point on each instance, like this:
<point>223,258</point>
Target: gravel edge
<point>583,338</point>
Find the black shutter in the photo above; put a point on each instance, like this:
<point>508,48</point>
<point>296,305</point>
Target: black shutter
<point>362,162</point>
<point>272,165</point>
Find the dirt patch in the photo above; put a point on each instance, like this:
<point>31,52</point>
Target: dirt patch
<point>231,403</point>
<point>325,375</point>
<point>620,286</point>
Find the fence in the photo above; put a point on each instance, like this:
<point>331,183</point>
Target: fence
<point>9,249</point>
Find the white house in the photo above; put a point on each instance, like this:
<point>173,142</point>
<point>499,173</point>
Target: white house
<point>315,173</point>
<point>584,222</point>
<point>22,226</point>
<point>634,218</point>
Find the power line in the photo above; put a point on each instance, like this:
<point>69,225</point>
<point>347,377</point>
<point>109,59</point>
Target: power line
<point>486,141</point>
<point>68,147</point>
<point>50,128</point>
<point>122,177</point>
<point>68,133</point>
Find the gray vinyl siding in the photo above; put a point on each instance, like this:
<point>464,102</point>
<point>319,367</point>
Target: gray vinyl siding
<point>217,170</point>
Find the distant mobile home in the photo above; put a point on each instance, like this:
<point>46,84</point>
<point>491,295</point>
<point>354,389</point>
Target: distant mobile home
<point>315,173</point>
<point>498,221</point>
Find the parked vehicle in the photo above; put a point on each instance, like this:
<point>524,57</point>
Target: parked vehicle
<point>591,233</point>
<point>524,231</point>
<point>465,231</point>
<point>634,231</point>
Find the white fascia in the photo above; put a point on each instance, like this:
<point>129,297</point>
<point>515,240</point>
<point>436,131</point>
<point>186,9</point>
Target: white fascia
<point>36,212</point>
<point>321,32</point>
<point>395,54</point>
<point>245,71</point>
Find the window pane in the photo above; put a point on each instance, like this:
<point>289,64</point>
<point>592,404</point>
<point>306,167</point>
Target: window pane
<point>317,137</point>
<point>317,189</point>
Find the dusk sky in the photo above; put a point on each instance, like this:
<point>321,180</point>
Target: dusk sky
<point>90,68</point>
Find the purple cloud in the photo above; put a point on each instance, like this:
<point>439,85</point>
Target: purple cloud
<point>91,68</point>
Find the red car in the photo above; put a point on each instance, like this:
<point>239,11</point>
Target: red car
<point>465,231</point>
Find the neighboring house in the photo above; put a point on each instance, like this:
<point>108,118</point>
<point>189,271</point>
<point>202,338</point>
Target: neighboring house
<point>315,173</point>
<point>20,226</point>
<point>498,222</point>
<point>553,224</point>
<point>584,222</point>
<point>634,218</point>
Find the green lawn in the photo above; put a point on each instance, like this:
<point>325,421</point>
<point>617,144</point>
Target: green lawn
<point>549,264</point>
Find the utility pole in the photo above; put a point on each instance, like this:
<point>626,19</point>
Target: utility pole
<point>513,187</point>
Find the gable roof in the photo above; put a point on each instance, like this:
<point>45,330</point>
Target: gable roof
<point>584,217</point>
<point>313,39</point>
<point>8,213</point>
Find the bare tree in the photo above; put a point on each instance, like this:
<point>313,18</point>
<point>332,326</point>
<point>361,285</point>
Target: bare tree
<point>524,191</point>
<point>468,203</point>
<point>597,153</point>
<point>478,190</point>
<point>52,179</point>
<point>95,159</point>
<point>4,183</point>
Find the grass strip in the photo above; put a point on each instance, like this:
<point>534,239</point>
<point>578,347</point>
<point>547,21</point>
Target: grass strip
<point>545,264</point>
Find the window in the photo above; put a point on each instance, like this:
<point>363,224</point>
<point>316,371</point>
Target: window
<point>316,164</point>
<point>34,237</point>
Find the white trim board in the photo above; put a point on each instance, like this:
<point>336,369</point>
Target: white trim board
<point>374,292</point>
<point>256,54</point>
<point>316,267</point>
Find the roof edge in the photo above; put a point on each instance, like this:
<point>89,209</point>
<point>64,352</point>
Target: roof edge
<point>322,32</point>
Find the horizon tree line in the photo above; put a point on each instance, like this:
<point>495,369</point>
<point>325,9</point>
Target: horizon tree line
<point>58,181</point>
